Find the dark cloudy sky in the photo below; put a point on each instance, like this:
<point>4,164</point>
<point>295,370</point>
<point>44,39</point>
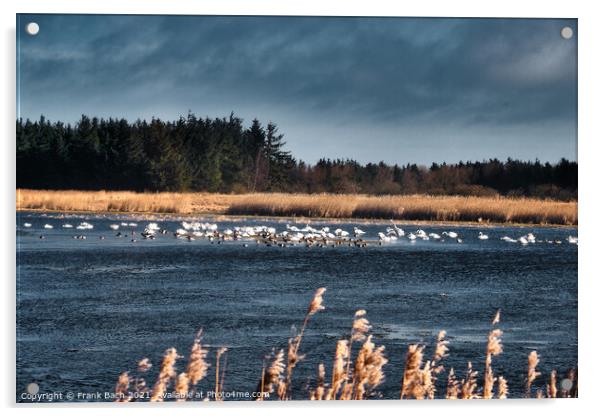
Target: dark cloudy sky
<point>393,89</point>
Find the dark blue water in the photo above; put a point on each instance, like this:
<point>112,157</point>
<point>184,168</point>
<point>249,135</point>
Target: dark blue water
<point>88,310</point>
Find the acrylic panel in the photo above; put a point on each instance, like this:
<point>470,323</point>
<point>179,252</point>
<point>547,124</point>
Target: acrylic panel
<point>295,208</point>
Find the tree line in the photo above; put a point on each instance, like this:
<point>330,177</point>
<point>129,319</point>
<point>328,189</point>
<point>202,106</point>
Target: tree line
<point>222,155</point>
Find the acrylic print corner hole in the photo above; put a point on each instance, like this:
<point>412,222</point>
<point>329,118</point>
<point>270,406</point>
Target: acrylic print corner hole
<point>32,28</point>
<point>243,208</point>
<point>566,32</point>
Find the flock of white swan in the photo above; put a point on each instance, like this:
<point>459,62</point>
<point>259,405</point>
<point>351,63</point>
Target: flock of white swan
<point>291,235</point>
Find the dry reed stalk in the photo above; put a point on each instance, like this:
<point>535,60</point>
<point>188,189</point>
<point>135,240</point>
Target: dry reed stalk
<point>294,343</point>
<point>410,207</point>
<point>359,329</point>
<point>453,387</point>
<point>272,379</point>
<point>494,347</point>
<point>318,393</point>
<point>434,368</point>
<point>122,388</point>
<point>223,375</point>
<point>197,365</point>
<point>182,384</point>
<point>502,388</point>
<point>139,382</point>
<point>552,388</point>
<point>218,383</point>
<point>166,373</point>
<point>339,373</point>
<point>469,384</point>
<point>411,384</point>
<point>532,373</point>
<point>400,207</point>
<point>367,371</point>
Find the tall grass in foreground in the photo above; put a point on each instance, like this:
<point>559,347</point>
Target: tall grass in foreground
<point>399,207</point>
<point>354,375</point>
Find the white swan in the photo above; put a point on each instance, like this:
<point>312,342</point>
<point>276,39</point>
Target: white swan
<point>84,226</point>
<point>398,231</point>
<point>450,234</point>
<point>572,240</point>
<point>508,239</point>
<point>26,225</point>
<point>383,237</point>
<point>341,233</point>
<point>114,227</point>
<point>153,226</point>
<point>483,236</point>
<point>357,232</point>
<point>48,226</point>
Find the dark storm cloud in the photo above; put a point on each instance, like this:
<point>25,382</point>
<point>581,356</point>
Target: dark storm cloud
<point>403,80</point>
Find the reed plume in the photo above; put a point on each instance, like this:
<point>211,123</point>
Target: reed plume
<point>434,368</point>
<point>359,329</point>
<point>453,386</point>
<point>469,384</point>
<point>494,348</point>
<point>316,302</point>
<point>339,373</point>
<point>411,384</point>
<point>532,373</point>
<point>318,393</point>
<point>166,373</point>
<point>367,371</point>
<point>294,343</point>
<point>182,384</point>
<point>144,365</point>
<point>122,388</point>
<point>272,378</point>
<point>502,388</point>
<point>139,382</point>
<point>197,364</point>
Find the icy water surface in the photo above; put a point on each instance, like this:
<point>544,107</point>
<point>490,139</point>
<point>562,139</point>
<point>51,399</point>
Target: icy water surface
<point>88,310</point>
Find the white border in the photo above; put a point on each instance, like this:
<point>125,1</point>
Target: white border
<point>590,34</point>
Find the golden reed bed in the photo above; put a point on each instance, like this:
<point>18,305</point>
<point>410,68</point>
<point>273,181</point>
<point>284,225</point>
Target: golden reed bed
<point>402,207</point>
<point>355,373</point>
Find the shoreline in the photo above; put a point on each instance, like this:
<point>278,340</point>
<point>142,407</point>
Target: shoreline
<point>231,217</point>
